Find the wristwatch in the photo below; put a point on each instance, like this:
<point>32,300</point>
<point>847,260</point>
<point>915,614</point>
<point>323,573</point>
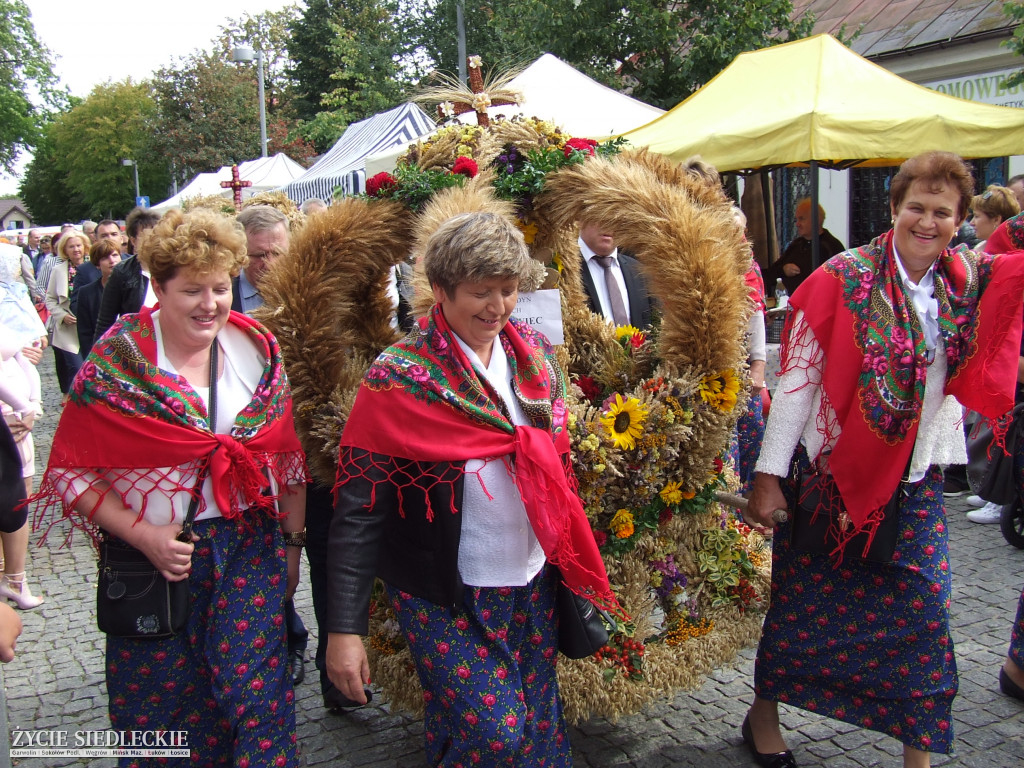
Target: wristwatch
<point>295,539</point>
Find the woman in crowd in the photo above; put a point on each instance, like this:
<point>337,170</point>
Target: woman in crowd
<point>453,488</point>
<point>22,338</point>
<point>1009,236</point>
<point>104,255</point>
<point>881,340</point>
<point>142,403</point>
<point>991,208</point>
<point>71,249</point>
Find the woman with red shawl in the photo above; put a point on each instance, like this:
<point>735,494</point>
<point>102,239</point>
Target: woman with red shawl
<point>1009,236</point>
<point>455,488</point>
<point>127,458</point>
<point>883,342</point>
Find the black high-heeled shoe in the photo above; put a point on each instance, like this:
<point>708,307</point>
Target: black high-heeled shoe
<point>765,760</point>
<point>1010,688</point>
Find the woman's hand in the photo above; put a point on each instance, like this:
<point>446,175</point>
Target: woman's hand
<point>33,354</point>
<point>10,629</point>
<point>21,427</point>
<point>756,377</point>
<point>70,319</point>
<point>294,555</point>
<point>347,666</point>
<point>765,497</point>
<point>160,545</point>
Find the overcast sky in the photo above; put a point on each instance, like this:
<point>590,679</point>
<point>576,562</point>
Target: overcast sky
<point>102,40</point>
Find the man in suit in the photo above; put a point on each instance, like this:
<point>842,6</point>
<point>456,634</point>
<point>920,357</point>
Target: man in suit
<point>32,250</point>
<point>267,237</point>
<point>128,287</point>
<point>614,283</point>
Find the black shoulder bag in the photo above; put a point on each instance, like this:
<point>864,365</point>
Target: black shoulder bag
<point>820,514</point>
<point>582,626</point>
<point>133,599</point>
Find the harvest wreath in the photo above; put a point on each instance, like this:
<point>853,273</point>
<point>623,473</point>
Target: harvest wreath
<point>651,413</point>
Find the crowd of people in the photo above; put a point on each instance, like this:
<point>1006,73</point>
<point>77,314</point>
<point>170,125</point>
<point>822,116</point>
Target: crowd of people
<point>176,405</point>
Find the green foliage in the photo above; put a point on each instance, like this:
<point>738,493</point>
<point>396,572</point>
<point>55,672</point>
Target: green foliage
<point>346,66</point>
<point>43,188</point>
<point>1015,12</point>
<point>207,115</point>
<point>724,563</point>
<point>26,76</point>
<point>412,185</point>
<point>115,122</point>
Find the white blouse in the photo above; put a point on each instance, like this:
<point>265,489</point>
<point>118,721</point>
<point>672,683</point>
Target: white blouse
<point>498,547</point>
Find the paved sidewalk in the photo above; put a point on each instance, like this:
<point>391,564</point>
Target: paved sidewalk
<point>56,681</point>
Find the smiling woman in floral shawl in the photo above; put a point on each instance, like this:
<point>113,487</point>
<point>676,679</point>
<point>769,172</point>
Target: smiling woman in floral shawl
<point>884,342</point>
<point>454,487</point>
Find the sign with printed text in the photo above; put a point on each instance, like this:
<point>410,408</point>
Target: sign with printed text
<point>542,310</point>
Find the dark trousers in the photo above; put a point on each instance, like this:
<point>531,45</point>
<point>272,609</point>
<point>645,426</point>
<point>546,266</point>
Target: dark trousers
<point>67,365</point>
<point>319,511</point>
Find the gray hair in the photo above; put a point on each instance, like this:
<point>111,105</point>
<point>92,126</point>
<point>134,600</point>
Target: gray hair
<point>259,218</point>
<point>472,247</point>
<point>313,205</point>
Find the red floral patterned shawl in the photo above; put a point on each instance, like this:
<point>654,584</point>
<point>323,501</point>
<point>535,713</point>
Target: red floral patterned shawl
<point>125,414</point>
<point>1009,236</point>
<point>875,360</point>
<point>422,401</point>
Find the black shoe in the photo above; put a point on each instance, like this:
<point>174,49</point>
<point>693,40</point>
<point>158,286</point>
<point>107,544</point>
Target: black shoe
<point>769,760</point>
<point>338,704</point>
<point>297,665</point>
<point>1010,688</point>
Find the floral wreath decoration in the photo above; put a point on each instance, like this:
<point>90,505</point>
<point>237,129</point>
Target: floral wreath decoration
<point>651,413</point>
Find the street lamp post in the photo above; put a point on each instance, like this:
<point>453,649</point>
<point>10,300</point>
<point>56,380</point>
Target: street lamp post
<point>135,168</point>
<point>244,54</point>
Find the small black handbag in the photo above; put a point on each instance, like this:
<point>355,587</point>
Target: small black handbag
<point>990,468</point>
<point>133,599</point>
<point>582,626</point>
<point>820,515</point>
<point>12,485</point>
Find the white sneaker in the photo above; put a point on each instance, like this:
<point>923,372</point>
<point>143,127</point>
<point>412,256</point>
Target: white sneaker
<point>987,515</point>
<point>976,501</point>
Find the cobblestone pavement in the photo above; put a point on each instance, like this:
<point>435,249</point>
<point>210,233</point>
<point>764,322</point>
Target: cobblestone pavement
<point>56,681</point>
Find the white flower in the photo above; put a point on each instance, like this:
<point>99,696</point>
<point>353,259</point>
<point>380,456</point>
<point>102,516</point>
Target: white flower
<point>447,109</point>
<point>481,101</point>
<point>474,62</point>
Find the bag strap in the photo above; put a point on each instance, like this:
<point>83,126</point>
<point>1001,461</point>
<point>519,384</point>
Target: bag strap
<point>197,491</point>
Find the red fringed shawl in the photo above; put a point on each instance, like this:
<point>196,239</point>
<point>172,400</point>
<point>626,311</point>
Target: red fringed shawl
<point>126,417</point>
<point>875,360</point>
<point>422,401</point>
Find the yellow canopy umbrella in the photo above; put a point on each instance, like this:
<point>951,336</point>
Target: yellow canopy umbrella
<point>816,100</point>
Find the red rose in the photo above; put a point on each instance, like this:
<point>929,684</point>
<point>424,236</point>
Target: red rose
<point>581,145</point>
<point>466,166</point>
<point>381,184</point>
<point>600,537</point>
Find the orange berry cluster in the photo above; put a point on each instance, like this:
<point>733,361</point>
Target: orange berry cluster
<point>687,629</point>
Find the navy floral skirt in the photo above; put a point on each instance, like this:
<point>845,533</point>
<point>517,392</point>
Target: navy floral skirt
<point>867,643</point>
<point>224,680</point>
<point>488,674</point>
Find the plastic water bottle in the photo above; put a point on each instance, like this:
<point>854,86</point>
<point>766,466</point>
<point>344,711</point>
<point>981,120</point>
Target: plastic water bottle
<point>781,296</point>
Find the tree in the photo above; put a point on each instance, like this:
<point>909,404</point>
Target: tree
<point>270,33</point>
<point>44,188</point>
<point>207,115</point>
<point>433,34</point>
<point>26,72</point>
<point>347,64</point>
<point>115,122</point>
<point>1015,12</point>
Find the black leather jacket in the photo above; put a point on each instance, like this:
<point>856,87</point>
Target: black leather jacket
<point>377,533</point>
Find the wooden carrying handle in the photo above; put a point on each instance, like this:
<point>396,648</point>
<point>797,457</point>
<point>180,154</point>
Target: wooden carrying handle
<point>779,515</point>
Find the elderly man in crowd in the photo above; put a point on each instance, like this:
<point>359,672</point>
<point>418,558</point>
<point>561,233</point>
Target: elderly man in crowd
<point>795,263</point>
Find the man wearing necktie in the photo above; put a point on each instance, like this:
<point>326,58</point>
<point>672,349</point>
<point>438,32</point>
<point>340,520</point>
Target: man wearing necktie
<point>615,286</point>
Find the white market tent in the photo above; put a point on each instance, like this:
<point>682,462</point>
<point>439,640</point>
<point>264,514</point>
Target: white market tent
<point>265,173</point>
<point>555,91</point>
<point>343,166</point>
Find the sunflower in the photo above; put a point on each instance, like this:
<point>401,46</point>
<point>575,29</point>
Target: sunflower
<point>624,421</point>
<point>622,524</point>
<point>719,390</point>
<point>671,494</point>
